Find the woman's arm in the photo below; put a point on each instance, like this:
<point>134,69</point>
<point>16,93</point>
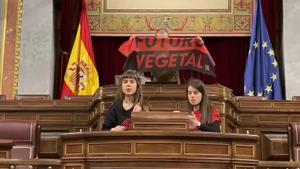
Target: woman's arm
<point>110,120</point>
<point>211,127</point>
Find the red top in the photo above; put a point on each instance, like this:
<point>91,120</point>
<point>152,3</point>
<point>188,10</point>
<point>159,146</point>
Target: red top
<point>126,123</point>
<point>215,116</point>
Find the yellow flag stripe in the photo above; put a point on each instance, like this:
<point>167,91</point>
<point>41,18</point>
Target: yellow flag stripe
<point>85,81</point>
<point>92,80</point>
<point>73,60</point>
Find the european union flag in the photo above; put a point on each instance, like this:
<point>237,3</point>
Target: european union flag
<point>261,76</point>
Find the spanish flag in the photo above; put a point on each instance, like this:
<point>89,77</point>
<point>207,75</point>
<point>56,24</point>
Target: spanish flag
<point>81,77</point>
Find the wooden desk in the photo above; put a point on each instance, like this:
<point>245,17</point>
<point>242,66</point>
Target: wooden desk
<point>265,118</point>
<point>158,149</point>
<point>54,117</point>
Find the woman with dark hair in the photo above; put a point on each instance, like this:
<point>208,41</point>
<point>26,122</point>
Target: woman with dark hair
<point>128,98</point>
<point>202,116</point>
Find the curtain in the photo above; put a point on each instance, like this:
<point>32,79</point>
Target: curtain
<point>67,16</point>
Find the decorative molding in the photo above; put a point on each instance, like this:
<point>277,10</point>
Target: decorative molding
<point>2,48</point>
<point>11,50</point>
<point>106,19</point>
<point>17,47</point>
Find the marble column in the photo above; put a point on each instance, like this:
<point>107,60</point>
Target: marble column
<point>36,72</point>
<point>291,47</point>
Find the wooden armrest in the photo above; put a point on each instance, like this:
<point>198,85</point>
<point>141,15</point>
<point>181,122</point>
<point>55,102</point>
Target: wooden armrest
<point>6,143</point>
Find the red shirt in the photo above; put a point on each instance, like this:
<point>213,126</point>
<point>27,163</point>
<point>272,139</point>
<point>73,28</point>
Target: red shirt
<point>215,116</point>
<point>127,124</point>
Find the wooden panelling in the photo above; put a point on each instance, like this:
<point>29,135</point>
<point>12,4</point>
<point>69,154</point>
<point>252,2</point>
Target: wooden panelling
<point>255,104</point>
<point>33,102</point>
<point>73,166</point>
<point>159,164</point>
<point>159,120</point>
<point>56,117</point>
<point>80,129</point>
<point>244,167</point>
<point>101,121</point>
<point>162,105</point>
<point>261,117</point>
<point>278,165</point>
<point>267,118</point>
<point>295,118</point>
<point>49,145</point>
<point>182,105</point>
<point>10,103</point>
<point>162,150</point>
<point>110,147</point>
<point>4,154</point>
<point>81,117</point>
<point>218,89</point>
<point>245,150</point>
<point>279,147</point>
<point>228,110</point>
<point>228,125</point>
<point>275,146</point>
<point>287,105</point>
<point>158,148</point>
<point>218,105</point>
<point>73,149</point>
<point>51,115</point>
<point>207,149</point>
<point>20,117</point>
<point>249,118</point>
<point>234,115</point>
<point>169,97</point>
<point>171,90</point>
<point>248,131</point>
<point>151,89</point>
<point>159,126</point>
<point>80,104</point>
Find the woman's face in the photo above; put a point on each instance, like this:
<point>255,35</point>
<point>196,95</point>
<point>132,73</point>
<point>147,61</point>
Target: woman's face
<point>194,96</point>
<point>129,86</point>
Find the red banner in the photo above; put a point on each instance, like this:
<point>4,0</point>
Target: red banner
<point>174,53</point>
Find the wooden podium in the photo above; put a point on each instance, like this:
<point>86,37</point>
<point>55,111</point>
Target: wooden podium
<point>160,140</point>
<point>158,149</point>
<point>159,120</point>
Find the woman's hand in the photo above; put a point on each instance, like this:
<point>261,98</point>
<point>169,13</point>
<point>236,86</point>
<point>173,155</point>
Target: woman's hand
<point>193,122</point>
<point>137,108</point>
<point>118,128</point>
